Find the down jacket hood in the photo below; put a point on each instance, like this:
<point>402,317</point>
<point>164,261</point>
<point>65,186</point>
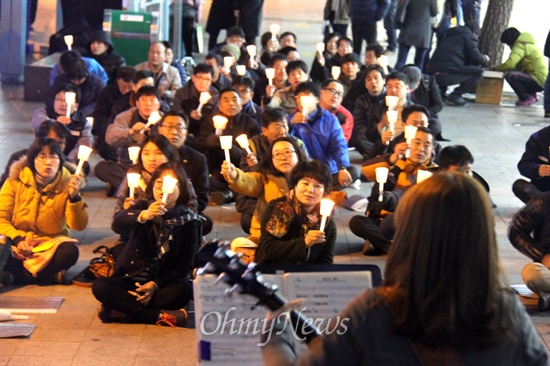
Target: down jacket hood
<point>19,165</point>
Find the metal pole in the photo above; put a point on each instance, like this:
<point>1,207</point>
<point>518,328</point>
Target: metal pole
<point>176,31</point>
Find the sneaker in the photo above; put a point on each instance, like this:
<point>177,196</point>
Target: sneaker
<point>173,318</point>
<point>371,251</point>
<point>107,315</point>
<point>218,198</point>
<point>110,190</point>
<point>527,102</point>
<point>456,101</point>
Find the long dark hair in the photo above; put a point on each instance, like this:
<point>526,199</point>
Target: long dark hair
<point>37,146</point>
<point>163,144</point>
<point>176,169</point>
<point>266,165</point>
<point>442,268</point>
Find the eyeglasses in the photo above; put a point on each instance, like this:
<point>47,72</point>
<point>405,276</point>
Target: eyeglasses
<point>334,92</point>
<point>203,79</point>
<point>43,157</point>
<point>172,128</point>
<point>60,100</point>
<point>280,154</point>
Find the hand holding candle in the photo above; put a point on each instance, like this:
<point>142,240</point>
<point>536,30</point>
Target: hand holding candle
<point>335,71</point>
<point>133,152</point>
<point>168,185</point>
<point>226,142</point>
<point>84,153</point>
<point>203,99</point>
<point>320,47</point>
<point>392,118</point>
<point>381,178</point>
<point>219,124</point>
<point>242,140</point>
<point>70,98</point>
<point>410,132</point>
<point>270,74</point>
<point>325,211</point>
<point>69,41</point>
<point>133,182</point>
<point>154,117</point>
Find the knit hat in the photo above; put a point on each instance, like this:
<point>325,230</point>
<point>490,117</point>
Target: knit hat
<point>233,49</point>
<point>509,36</point>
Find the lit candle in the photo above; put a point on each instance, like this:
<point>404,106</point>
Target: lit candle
<point>241,70</point>
<point>203,99</point>
<point>251,49</point>
<point>133,152</point>
<point>335,71</point>
<point>392,118</point>
<point>384,62</point>
<point>325,211</point>
<point>168,185</point>
<point>154,117</point>
<point>391,101</point>
<point>410,132</point>
<point>133,182</point>
<point>274,29</point>
<point>381,178</point>
<point>422,175</point>
<point>90,120</point>
<point>84,153</point>
<point>242,140</point>
<point>308,103</point>
<point>69,41</point>
<point>220,122</point>
<point>70,98</point>
<point>270,74</point>
<point>227,62</point>
<point>320,47</point>
<point>226,142</point>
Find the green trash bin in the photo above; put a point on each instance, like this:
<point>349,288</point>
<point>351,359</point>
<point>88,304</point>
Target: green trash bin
<point>130,33</point>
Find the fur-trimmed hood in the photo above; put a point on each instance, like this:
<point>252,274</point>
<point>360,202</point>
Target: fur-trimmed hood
<point>19,165</point>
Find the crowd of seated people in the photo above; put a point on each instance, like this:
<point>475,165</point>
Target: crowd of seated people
<point>300,127</point>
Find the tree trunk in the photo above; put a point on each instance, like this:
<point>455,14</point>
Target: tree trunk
<point>496,21</point>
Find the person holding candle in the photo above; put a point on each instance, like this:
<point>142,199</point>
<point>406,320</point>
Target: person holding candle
<point>323,137</point>
<point>219,80</point>
<point>285,98</point>
<point>245,86</point>
<point>68,58</point>
<point>39,203</point>
<point>80,130</point>
<point>290,225</point>
<point>151,283</point>
<point>187,98</point>
<point>100,48</point>
<point>349,71</point>
<point>174,127</point>
<point>264,91</point>
<point>167,78</point>
<point>432,306</point>
<point>373,226</point>
<point>234,37</point>
<point>325,51</point>
<point>332,92</point>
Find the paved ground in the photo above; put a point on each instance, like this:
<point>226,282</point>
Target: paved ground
<point>75,336</point>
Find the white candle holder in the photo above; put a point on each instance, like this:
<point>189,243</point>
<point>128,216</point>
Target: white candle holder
<point>270,74</point>
<point>274,29</point>
<point>335,72</point>
<point>308,103</point>
<point>392,118</point>
<point>69,41</point>
<point>251,49</point>
<point>422,175</point>
<point>383,61</point>
<point>154,117</point>
<point>70,99</point>
<point>226,142</point>
<point>320,47</point>
<point>410,132</point>
<point>381,178</point>
<point>133,152</point>
<point>84,153</point>
<point>203,99</point>
<point>325,211</point>
<point>241,70</point>
<point>133,182</point>
<point>228,62</point>
<point>168,185</point>
<point>90,120</point>
<point>242,140</point>
<point>391,101</point>
<point>220,122</point>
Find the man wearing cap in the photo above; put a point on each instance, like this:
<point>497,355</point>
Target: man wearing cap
<point>100,48</point>
<point>167,78</point>
<point>235,36</point>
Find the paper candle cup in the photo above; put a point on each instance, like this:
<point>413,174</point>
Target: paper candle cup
<point>226,142</point>
<point>308,103</point>
<point>133,152</point>
<point>153,118</point>
<point>241,70</point>
<point>204,97</point>
<point>320,47</point>
<point>381,178</point>
<point>410,132</point>
<point>325,211</point>
<point>220,122</point>
<point>391,101</point>
<point>251,49</point>
<point>422,175</point>
<point>335,71</point>
<point>68,41</point>
<point>227,62</point>
<point>274,29</point>
<point>70,98</point>
<point>84,153</point>
<point>392,118</point>
<point>133,182</point>
<point>168,185</point>
<point>90,120</point>
<point>270,74</point>
<point>242,140</point>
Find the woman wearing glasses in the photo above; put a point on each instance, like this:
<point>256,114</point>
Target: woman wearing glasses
<point>269,182</point>
<point>39,203</point>
<point>151,281</point>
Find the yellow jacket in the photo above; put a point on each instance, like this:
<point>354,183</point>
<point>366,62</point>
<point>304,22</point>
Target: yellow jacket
<point>265,187</point>
<point>28,213</point>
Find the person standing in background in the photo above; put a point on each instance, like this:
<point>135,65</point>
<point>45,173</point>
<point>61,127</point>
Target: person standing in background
<point>248,14</point>
<point>337,13</point>
<point>364,14</point>
<point>220,17</point>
